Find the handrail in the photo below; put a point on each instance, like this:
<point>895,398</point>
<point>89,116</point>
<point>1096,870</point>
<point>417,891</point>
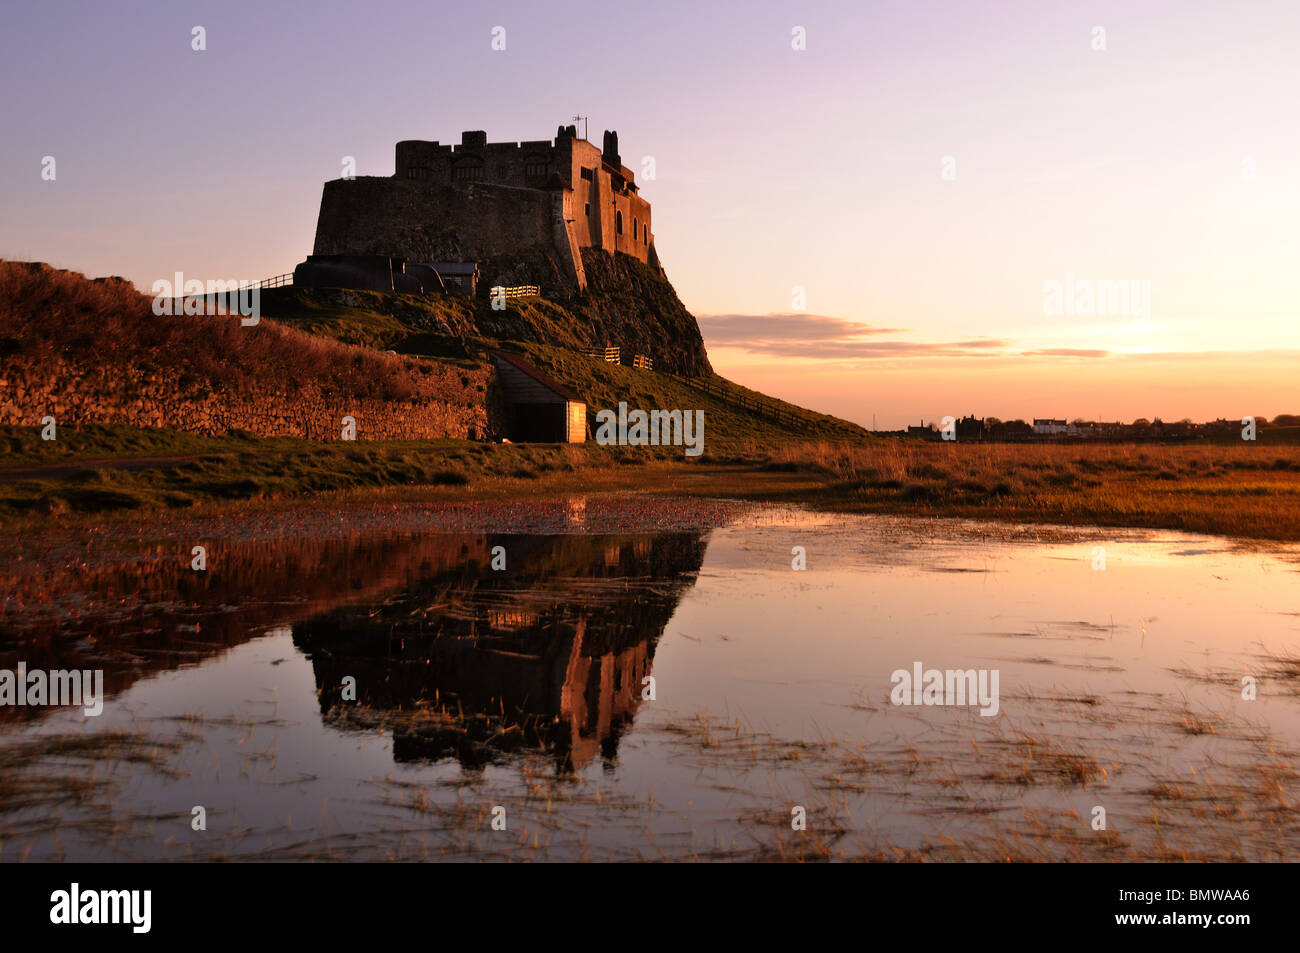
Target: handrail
<point>279,281</point>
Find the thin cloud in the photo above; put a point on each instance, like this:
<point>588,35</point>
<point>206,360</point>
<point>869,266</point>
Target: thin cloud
<point>821,336</point>
<point>746,328</point>
<point>1065,352</point>
<point>840,350</point>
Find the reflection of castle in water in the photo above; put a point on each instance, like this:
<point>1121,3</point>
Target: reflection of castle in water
<point>549,654</point>
<point>145,611</point>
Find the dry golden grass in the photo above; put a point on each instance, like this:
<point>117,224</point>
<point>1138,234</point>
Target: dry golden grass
<point>1248,490</point>
<point>46,313</point>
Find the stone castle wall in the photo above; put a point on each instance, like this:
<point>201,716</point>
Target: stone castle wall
<point>513,233</point>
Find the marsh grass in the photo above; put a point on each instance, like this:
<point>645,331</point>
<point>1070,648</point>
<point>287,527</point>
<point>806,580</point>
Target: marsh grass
<point>1274,671</point>
<point>1178,785</point>
<point>64,784</point>
<point>1116,485</point>
<point>284,470</point>
<point>1284,668</point>
<point>1241,490</point>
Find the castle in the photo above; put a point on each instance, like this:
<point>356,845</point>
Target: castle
<point>518,213</point>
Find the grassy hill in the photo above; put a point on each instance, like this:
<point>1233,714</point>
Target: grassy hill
<point>49,315</point>
<point>729,426</point>
<point>448,328</point>
<point>105,329</point>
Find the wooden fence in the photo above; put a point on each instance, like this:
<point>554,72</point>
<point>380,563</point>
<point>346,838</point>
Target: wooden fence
<point>613,354</point>
<point>515,291</point>
<point>764,407</point>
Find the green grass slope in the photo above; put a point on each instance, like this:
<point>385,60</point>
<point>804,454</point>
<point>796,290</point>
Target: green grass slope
<point>449,328</point>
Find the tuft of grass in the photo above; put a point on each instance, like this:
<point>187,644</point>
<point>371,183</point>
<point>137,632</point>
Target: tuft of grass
<point>43,772</point>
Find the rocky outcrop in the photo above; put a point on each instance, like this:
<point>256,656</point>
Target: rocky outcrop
<point>627,303</point>
<point>634,306</point>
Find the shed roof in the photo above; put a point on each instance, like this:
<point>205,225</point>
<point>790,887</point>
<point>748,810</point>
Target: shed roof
<point>550,383</point>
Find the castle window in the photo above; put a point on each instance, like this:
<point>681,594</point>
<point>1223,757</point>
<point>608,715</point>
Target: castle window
<point>535,168</point>
<point>587,209</point>
<point>466,172</point>
<point>618,223</point>
<point>586,174</point>
<point>417,172</point>
<point>635,233</point>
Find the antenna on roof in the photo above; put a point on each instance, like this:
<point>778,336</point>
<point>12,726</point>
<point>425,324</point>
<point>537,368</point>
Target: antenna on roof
<point>583,120</point>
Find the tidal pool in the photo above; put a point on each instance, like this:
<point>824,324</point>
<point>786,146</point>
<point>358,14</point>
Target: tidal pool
<point>380,690</point>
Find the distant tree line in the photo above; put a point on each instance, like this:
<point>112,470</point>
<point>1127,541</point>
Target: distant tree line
<point>994,428</point>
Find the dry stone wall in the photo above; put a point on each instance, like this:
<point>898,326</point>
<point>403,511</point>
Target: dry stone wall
<point>457,403</point>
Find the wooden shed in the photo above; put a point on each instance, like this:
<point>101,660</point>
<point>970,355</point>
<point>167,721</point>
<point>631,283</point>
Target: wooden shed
<point>540,409</point>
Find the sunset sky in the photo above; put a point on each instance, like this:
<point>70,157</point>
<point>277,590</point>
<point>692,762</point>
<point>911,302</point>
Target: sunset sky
<point>1169,158</point>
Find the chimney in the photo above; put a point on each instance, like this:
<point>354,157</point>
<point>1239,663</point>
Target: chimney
<point>610,150</point>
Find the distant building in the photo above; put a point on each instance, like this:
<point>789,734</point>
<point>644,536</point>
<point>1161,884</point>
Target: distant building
<point>1046,426</point>
<point>970,428</point>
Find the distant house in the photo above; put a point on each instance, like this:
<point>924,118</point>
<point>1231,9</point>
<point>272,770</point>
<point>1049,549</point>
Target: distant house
<point>967,428</point>
<point>539,408</point>
<point>1046,426</point>
<point>970,428</point>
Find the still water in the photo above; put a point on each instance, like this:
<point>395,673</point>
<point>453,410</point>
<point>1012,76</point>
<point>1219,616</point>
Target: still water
<point>382,691</point>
